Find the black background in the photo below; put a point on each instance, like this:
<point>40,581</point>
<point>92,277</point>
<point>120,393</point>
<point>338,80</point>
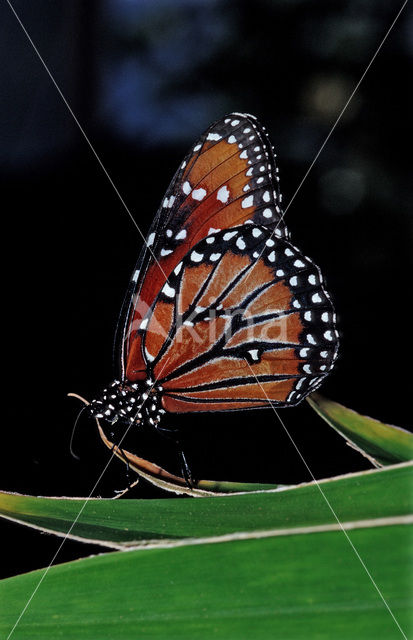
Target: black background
<point>144,80</point>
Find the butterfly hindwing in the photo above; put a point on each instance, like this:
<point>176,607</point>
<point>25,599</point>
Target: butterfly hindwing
<point>243,318</point>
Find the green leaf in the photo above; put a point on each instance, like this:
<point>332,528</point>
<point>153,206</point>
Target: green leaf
<point>293,586</point>
<point>120,523</point>
<point>274,564</point>
<point>383,444</point>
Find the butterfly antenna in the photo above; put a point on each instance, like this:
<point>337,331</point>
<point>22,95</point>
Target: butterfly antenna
<point>86,403</point>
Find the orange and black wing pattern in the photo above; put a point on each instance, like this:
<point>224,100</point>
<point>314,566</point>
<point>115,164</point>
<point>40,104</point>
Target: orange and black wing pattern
<point>224,312</point>
<point>243,320</point>
<point>228,178</point>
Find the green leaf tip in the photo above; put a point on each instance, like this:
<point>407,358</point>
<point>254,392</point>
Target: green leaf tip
<point>383,444</point>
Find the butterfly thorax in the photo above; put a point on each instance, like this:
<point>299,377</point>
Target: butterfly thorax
<point>133,403</point>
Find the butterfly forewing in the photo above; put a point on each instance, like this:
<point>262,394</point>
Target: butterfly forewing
<point>228,178</point>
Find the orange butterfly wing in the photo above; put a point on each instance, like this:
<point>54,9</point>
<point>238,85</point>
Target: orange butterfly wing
<point>243,319</point>
<point>228,178</point>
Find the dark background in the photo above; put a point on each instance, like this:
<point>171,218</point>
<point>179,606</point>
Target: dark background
<point>144,79</point>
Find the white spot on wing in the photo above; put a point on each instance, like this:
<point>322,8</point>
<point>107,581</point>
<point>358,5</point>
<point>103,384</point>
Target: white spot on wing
<point>178,268</point>
<point>213,136</point>
<point>199,194</point>
<point>149,357</point>
<point>186,187</point>
<point>168,290</point>
<point>181,235</point>
<point>247,202</point>
<point>223,194</point>
<point>151,239</point>
<point>196,257</point>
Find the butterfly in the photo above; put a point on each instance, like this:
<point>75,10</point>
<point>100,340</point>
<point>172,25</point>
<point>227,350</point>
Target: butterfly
<point>222,312</point>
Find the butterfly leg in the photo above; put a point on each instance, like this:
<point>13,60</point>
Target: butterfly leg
<point>185,470</point>
<point>120,492</point>
<point>170,435</point>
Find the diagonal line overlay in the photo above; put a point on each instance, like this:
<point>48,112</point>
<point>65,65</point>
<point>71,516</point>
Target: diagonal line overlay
<point>82,508</point>
<point>337,120</point>
<point>44,574</point>
<point>82,131</point>
<point>328,503</point>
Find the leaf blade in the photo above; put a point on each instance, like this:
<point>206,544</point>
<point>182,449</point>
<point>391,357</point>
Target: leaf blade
<point>384,444</point>
<point>249,588</point>
<point>118,523</point>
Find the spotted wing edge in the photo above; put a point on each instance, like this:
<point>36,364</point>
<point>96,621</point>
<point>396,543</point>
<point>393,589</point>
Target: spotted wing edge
<point>160,222</point>
<point>315,379</point>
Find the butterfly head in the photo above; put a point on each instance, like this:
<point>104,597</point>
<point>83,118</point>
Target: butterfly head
<point>130,403</point>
